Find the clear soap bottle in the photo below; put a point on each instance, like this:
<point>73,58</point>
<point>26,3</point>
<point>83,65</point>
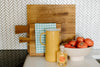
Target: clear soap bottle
<point>61,57</point>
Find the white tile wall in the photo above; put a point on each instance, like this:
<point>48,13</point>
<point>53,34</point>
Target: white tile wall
<point>13,12</point>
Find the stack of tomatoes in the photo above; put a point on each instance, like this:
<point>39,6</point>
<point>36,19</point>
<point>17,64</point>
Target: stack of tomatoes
<point>80,42</point>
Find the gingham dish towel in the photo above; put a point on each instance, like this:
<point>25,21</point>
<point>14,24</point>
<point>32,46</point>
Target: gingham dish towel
<point>40,28</point>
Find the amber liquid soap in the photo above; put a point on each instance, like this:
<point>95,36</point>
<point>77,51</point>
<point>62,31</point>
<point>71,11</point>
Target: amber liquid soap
<point>61,57</point>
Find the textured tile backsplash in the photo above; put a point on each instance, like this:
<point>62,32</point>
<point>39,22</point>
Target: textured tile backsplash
<point>13,12</point>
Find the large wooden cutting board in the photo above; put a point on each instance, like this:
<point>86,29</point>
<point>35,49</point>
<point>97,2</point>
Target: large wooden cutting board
<point>63,15</point>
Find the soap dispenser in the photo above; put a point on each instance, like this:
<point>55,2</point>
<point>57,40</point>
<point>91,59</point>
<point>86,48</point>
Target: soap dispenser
<point>61,57</point>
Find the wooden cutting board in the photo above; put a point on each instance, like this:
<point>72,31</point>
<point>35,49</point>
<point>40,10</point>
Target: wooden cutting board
<point>64,14</point>
<point>31,39</point>
<point>60,14</point>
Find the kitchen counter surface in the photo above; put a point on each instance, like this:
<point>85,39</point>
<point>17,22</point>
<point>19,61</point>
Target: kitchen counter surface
<point>90,61</point>
<point>41,62</point>
<point>95,53</point>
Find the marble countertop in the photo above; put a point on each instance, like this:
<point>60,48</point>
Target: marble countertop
<point>41,62</point>
<point>90,61</point>
<point>95,53</point>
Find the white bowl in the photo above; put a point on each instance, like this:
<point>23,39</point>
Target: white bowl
<point>77,54</point>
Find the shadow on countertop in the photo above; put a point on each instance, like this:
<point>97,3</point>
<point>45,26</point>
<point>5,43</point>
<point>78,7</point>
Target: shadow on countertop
<point>12,58</point>
<point>98,60</point>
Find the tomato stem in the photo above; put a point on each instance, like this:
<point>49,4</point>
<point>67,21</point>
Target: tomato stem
<point>81,43</point>
<point>72,45</point>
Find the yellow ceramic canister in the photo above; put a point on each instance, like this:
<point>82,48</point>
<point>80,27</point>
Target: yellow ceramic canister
<point>52,44</point>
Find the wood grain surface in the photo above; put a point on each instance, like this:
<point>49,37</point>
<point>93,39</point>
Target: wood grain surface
<point>63,15</point>
<point>50,13</point>
<point>21,29</point>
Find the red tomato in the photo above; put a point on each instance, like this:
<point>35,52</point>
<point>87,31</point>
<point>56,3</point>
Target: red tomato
<point>68,46</point>
<point>72,47</point>
<point>80,39</point>
<point>89,42</point>
<point>72,43</point>
<point>82,45</point>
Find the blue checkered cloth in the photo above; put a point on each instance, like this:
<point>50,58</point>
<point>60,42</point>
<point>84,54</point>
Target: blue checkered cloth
<point>40,28</point>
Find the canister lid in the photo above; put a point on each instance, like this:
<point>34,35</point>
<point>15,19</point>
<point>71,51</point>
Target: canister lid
<point>52,29</point>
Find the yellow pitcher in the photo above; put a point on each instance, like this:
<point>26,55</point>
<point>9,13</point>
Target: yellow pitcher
<point>52,44</point>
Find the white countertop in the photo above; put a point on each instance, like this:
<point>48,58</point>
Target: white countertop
<point>41,62</point>
<point>95,53</point>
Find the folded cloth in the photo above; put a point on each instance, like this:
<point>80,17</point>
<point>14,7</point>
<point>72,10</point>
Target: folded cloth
<point>40,28</point>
